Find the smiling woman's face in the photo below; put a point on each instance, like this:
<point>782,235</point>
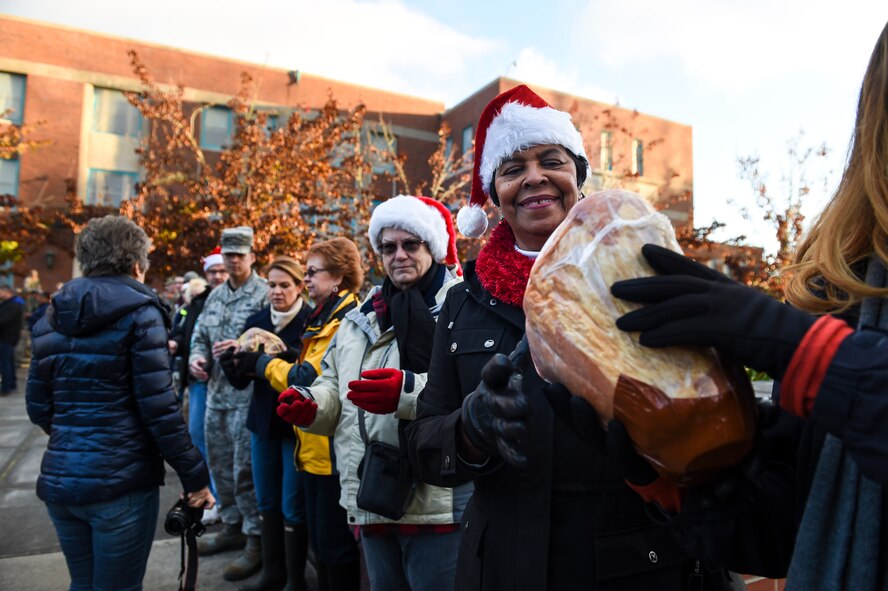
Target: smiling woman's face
<point>536,189</point>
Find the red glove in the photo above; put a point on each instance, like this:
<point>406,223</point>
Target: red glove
<point>295,408</point>
<point>379,391</point>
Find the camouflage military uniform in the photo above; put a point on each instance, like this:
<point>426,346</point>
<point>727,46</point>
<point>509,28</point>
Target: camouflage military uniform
<point>228,440</point>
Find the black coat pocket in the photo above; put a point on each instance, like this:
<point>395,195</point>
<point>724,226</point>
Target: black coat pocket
<point>639,559</point>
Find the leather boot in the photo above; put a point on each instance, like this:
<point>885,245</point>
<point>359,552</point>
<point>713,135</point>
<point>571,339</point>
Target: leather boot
<point>296,550</point>
<point>247,563</point>
<point>344,577</point>
<point>273,576</point>
<point>228,538</point>
<point>323,577</point>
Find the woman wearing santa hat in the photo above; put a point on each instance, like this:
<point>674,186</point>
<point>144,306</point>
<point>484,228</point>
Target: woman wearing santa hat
<point>548,511</point>
<point>370,377</point>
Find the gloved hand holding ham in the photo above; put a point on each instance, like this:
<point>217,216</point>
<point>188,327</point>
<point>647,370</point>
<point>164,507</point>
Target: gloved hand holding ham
<point>688,411</point>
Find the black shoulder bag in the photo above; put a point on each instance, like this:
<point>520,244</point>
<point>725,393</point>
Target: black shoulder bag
<point>387,481</point>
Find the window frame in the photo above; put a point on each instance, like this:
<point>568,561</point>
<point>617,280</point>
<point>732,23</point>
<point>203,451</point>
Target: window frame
<point>97,91</point>
<point>18,115</point>
<point>89,198</point>
<point>203,115</point>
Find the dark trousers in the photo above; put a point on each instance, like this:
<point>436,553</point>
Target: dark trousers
<point>328,530</point>
<point>7,367</point>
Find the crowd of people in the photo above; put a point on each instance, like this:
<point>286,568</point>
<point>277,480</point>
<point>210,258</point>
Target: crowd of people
<point>408,429</point>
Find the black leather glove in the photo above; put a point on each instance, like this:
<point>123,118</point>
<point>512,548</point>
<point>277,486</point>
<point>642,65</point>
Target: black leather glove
<point>494,416</point>
<point>580,417</point>
<point>230,369</point>
<point>692,305</point>
<point>245,363</point>
<point>291,355</point>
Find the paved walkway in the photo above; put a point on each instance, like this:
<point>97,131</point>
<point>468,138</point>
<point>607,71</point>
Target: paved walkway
<point>30,559</point>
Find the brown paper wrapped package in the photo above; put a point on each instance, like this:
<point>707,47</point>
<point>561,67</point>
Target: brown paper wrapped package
<point>688,414</point>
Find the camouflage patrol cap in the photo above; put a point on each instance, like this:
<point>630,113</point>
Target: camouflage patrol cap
<point>237,240</point>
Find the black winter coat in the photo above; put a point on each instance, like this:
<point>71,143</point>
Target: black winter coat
<point>261,417</point>
<point>182,330</point>
<point>568,521</point>
<point>11,313</point>
<point>100,385</point>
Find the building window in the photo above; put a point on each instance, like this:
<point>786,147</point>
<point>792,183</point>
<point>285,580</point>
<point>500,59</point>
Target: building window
<point>448,148</point>
<point>467,135</point>
<point>216,126</point>
<point>271,123</point>
<point>12,97</point>
<point>112,113</point>
<point>638,157</point>
<point>110,187</point>
<point>607,151</point>
<point>9,176</point>
<point>381,154</point>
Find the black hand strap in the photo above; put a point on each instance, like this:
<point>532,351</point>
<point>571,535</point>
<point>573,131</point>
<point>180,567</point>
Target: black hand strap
<point>188,572</point>
<point>402,437</point>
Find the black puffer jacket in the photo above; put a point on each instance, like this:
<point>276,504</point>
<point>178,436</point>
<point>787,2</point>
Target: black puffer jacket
<point>100,386</point>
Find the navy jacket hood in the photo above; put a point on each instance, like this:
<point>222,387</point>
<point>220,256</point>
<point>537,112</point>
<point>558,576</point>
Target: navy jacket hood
<point>89,304</point>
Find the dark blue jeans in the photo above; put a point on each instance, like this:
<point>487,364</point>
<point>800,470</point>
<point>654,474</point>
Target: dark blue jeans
<point>197,412</point>
<point>332,540</point>
<point>7,367</point>
<point>420,562</point>
<point>106,544</point>
<point>278,483</point>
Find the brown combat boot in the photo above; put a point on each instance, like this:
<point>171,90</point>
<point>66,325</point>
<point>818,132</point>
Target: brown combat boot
<point>247,563</point>
<point>229,538</point>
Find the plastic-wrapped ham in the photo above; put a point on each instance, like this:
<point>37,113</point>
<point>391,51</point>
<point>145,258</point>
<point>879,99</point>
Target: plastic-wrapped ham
<point>689,414</point>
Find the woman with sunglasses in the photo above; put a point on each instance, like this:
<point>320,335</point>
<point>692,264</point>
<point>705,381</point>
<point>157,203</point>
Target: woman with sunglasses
<point>333,277</point>
<point>370,378</point>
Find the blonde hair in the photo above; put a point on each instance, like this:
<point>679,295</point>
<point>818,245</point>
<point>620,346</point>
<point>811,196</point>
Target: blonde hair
<point>854,224</point>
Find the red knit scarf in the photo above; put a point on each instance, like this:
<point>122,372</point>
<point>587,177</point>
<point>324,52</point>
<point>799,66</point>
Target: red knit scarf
<point>502,270</point>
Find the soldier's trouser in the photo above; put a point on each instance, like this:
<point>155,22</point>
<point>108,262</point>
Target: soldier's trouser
<point>228,453</point>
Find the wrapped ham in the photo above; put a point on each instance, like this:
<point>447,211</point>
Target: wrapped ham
<point>254,337</point>
<point>688,414</point>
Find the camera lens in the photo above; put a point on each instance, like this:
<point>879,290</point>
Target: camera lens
<point>175,523</point>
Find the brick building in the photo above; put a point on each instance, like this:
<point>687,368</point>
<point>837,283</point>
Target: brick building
<point>73,81</point>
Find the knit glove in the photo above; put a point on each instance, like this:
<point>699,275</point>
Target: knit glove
<point>230,369</point>
<point>692,305</point>
<point>295,408</point>
<point>494,416</point>
<point>379,390</point>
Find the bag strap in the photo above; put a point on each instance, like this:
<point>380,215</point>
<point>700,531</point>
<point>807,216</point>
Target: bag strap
<point>402,437</point>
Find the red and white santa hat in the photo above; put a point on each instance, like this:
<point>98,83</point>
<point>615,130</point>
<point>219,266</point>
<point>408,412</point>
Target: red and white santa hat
<point>425,218</point>
<point>515,120</point>
<point>214,258</point>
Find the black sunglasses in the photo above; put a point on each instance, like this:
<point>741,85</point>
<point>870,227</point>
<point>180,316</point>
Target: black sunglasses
<point>312,271</point>
<point>410,246</point>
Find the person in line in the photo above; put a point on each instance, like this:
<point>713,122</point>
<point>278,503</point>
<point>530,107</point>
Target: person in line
<point>195,382</point>
<point>228,440</point>
<point>370,377</point>
<point>549,511</point>
<point>810,503</point>
<point>279,489</point>
<point>100,386</point>
<point>12,309</point>
<point>42,298</point>
<point>333,278</point>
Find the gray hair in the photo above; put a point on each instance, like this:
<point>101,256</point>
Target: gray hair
<point>111,246</point>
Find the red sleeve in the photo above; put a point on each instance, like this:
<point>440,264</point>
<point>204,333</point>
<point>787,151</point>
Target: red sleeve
<point>809,364</point>
<point>662,492</point>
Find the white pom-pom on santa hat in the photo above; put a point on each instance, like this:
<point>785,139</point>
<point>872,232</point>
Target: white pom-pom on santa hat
<point>425,218</point>
<point>515,120</point>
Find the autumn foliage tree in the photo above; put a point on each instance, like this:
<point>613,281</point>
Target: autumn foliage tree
<point>311,178</point>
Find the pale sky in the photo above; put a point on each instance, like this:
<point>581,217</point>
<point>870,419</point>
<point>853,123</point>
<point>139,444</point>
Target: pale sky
<point>747,75</point>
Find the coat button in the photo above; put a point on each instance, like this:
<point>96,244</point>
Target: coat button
<point>653,556</point>
<point>453,347</point>
<point>488,343</point>
<point>351,519</point>
<point>447,461</point>
<point>467,524</point>
<point>492,302</point>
